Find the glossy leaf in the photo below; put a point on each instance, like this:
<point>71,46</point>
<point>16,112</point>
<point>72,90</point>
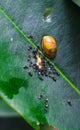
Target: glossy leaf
<point>6,111</point>
<point>18,19</point>
<point>77,2</point>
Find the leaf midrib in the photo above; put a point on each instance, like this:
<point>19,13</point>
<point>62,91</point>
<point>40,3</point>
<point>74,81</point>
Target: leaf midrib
<point>34,45</point>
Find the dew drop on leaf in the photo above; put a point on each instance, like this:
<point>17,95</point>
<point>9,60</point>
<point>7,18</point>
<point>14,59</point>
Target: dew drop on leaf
<point>11,39</point>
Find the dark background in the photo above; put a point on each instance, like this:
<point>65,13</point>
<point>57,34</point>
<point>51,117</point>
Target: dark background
<point>16,123</point>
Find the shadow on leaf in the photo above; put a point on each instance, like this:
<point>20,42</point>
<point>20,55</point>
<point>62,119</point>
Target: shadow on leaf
<point>12,87</point>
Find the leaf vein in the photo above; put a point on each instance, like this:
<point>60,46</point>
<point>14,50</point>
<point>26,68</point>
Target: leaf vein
<point>34,45</point>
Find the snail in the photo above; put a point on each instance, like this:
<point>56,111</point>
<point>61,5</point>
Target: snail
<point>49,46</point>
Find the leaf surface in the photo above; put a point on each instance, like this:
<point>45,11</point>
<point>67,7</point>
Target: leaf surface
<point>77,2</point>
<point>18,19</point>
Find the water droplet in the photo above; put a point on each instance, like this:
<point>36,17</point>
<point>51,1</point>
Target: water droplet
<point>47,15</point>
<point>38,123</point>
<point>11,39</point>
<point>48,19</point>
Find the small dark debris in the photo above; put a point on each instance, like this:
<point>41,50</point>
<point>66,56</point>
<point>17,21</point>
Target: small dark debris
<point>54,79</point>
<point>31,64</point>
<point>46,100</point>
<point>35,70</point>
<point>69,103</point>
<point>40,96</point>
<point>34,66</point>
<point>46,74</point>
<point>30,74</point>
<point>42,73</point>
<point>55,72</point>
<point>29,48</point>
<point>25,67</point>
<point>30,36</point>
<point>44,64</point>
<point>38,47</point>
<point>49,73</point>
<point>35,51</point>
<point>39,73</point>
<point>47,69</point>
<point>40,77</point>
<point>52,67</point>
<point>46,106</point>
<point>46,103</point>
<point>29,58</point>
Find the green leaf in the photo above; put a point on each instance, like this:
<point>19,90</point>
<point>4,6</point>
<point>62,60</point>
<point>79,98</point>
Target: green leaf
<point>6,111</point>
<point>77,2</point>
<point>18,19</point>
